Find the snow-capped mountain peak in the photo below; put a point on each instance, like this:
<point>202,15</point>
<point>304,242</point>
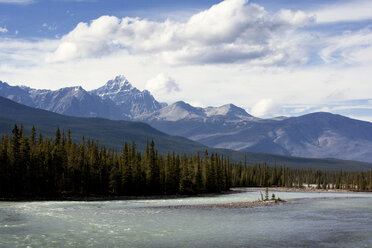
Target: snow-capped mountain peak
<point>115,86</point>
<point>131,100</point>
<point>115,89</point>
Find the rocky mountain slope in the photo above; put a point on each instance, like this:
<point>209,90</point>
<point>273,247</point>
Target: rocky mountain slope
<point>116,100</point>
<point>317,135</point>
<point>112,134</point>
<point>131,101</point>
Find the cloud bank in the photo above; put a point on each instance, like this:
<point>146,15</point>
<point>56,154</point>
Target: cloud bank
<point>229,32</point>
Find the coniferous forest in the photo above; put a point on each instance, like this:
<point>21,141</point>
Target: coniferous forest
<point>40,166</point>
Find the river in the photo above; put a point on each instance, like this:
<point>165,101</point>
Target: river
<point>336,222</point>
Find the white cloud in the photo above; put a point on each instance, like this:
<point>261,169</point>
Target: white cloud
<point>17,1</point>
<point>3,30</point>
<point>49,27</point>
<point>19,53</point>
<point>264,107</point>
<point>94,52</point>
<point>348,107</point>
<point>162,84</point>
<point>228,32</point>
<point>348,48</point>
<point>355,10</point>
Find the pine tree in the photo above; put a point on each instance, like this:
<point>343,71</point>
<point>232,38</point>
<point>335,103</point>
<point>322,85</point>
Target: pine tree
<point>53,167</point>
<point>153,171</point>
<point>199,176</point>
<point>126,172</point>
<point>185,181</point>
<point>33,136</point>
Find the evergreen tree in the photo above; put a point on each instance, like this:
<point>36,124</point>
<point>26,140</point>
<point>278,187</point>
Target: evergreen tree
<point>126,170</point>
<point>53,167</point>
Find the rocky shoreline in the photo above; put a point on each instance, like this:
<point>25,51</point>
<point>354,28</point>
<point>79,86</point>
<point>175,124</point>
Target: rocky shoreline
<point>249,204</point>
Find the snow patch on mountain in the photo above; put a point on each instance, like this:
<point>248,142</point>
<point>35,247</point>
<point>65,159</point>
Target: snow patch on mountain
<point>132,101</point>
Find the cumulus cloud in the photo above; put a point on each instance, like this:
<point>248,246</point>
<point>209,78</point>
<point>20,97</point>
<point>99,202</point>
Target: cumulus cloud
<point>162,84</point>
<point>264,107</point>
<point>228,32</point>
<point>3,30</point>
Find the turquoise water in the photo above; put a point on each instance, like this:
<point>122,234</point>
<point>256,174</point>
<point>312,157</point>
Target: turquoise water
<point>341,222</point>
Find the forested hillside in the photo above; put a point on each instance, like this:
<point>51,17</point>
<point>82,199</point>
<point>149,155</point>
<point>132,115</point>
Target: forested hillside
<point>41,166</point>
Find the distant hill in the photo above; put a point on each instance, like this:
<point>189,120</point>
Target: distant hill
<point>113,134</point>
<point>109,132</point>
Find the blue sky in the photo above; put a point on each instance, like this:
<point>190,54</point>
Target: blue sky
<point>271,57</point>
<point>62,16</point>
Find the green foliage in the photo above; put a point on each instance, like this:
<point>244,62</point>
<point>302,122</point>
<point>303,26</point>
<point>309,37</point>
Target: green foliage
<point>60,166</point>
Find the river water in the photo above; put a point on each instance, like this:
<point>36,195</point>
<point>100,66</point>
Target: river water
<point>337,222</point>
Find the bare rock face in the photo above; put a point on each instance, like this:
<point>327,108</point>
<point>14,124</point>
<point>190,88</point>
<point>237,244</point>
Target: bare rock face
<point>130,100</point>
<point>117,100</point>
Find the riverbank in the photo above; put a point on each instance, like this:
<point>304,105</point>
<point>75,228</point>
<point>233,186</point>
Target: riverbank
<point>157,197</point>
<point>287,189</point>
<point>110,197</point>
<point>252,204</point>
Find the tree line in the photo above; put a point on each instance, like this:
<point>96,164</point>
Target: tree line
<point>38,166</point>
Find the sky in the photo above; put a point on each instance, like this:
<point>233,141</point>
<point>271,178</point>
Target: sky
<point>270,57</point>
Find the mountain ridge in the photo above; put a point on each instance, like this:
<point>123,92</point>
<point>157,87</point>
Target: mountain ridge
<point>113,133</point>
<point>317,135</point>
<point>116,100</point>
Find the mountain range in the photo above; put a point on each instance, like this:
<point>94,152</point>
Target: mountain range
<point>116,100</point>
<point>316,135</point>
<point>113,133</point>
